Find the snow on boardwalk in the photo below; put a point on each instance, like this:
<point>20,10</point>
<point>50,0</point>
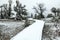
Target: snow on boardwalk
<point>33,32</point>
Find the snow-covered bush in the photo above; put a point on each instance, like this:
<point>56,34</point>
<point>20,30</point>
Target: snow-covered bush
<point>50,32</point>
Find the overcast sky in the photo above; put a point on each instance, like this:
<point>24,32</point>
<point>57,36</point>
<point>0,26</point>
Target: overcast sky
<point>30,3</point>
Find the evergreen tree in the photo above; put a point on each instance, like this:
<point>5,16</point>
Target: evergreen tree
<point>10,3</point>
<point>31,15</point>
<point>35,16</point>
<point>50,15</point>
<point>58,12</point>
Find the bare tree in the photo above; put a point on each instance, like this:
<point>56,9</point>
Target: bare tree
<point>20,10</point>
<point>5,11</point>
<point>1,12</point>
<point>54,10</point>
<point>40,10</point>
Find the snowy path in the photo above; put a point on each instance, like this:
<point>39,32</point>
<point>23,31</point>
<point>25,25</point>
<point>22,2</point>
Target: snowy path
<point>33,32</point>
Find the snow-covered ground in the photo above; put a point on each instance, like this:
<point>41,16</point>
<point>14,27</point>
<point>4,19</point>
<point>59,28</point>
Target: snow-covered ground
<point>33,32</point>
<point>51,31</point>
<point>8,29</point>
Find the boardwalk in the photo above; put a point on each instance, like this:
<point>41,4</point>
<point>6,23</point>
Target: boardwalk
<point>33,32</point>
